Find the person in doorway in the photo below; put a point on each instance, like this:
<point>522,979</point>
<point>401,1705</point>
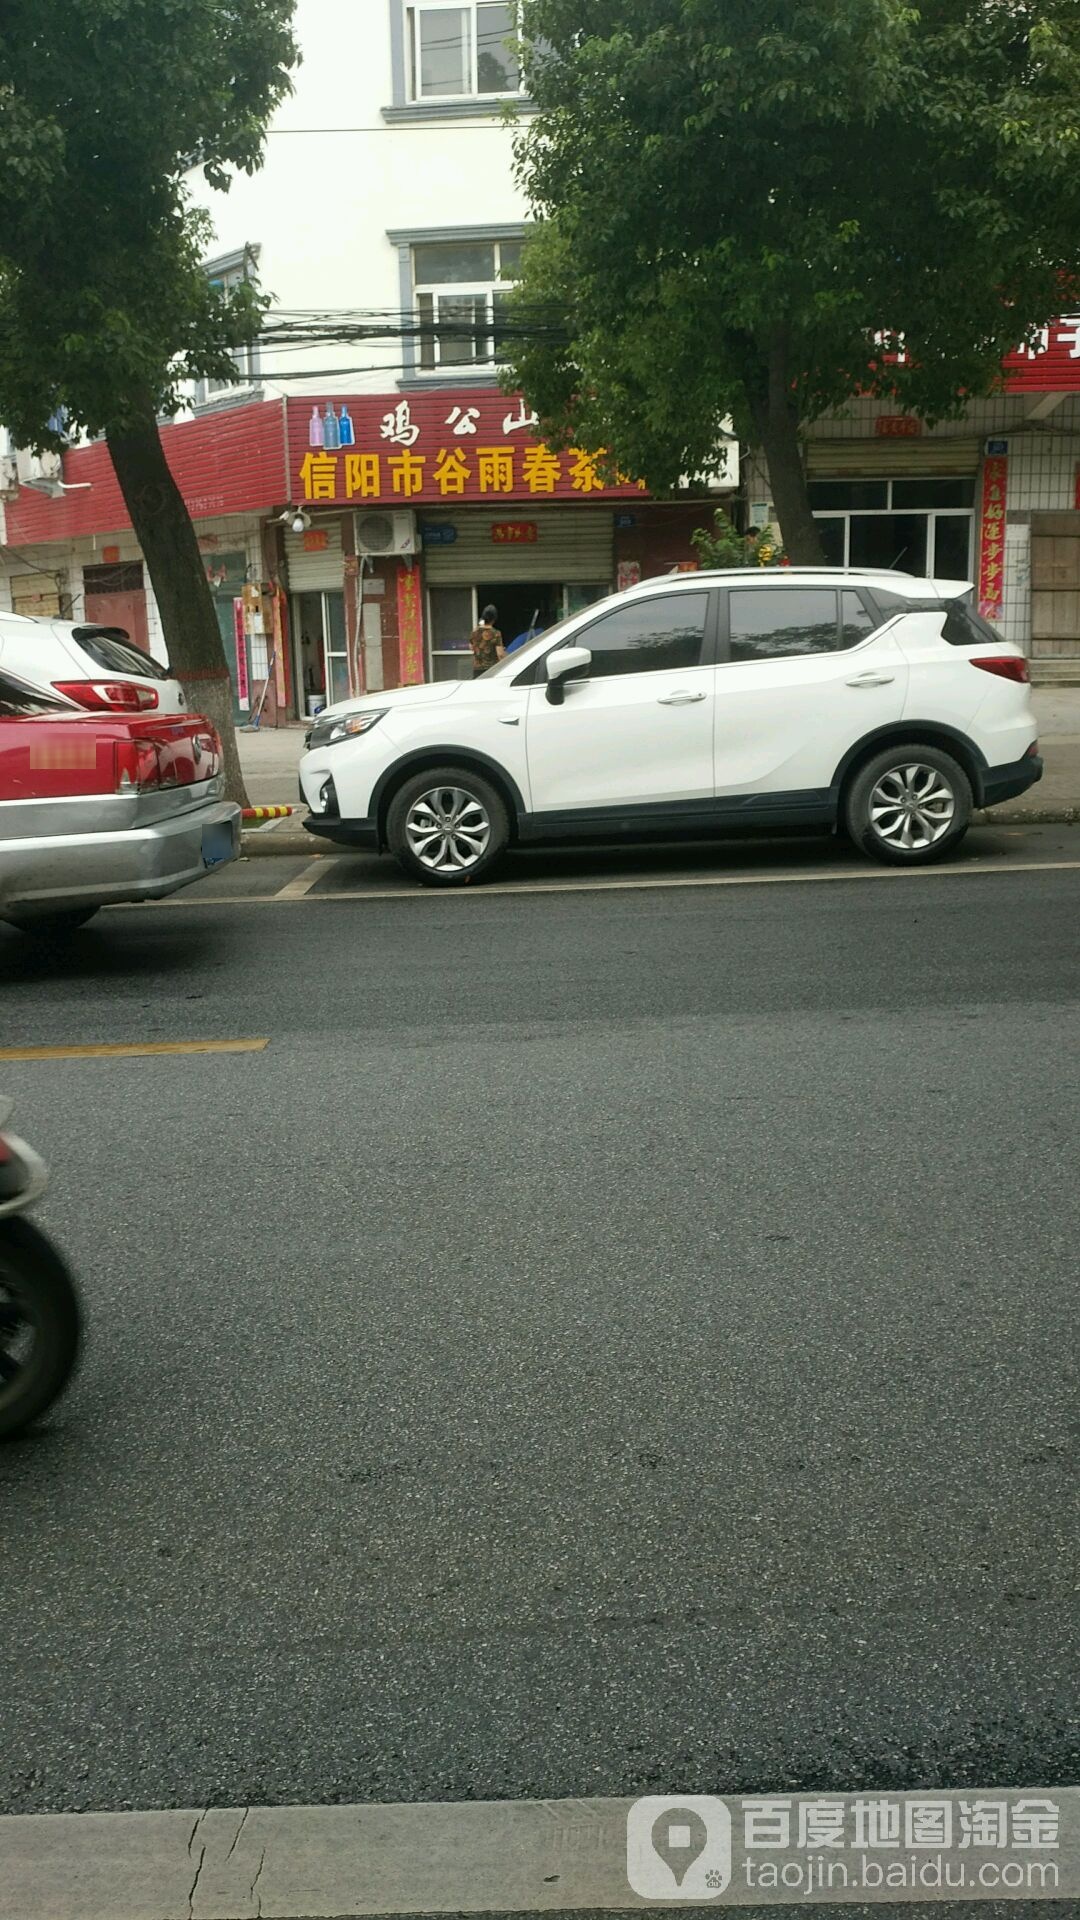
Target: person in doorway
<point>486,642</point>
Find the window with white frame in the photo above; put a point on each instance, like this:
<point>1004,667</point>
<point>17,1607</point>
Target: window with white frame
<point>232,272</point>
<point>455,51</point>
<point>461,289</point>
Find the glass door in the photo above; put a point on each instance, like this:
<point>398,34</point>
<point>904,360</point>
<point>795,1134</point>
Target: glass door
<point>336,647</point>
<point>320,649</point>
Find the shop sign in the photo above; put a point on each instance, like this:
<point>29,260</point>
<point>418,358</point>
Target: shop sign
<point>410,627</point>
<point>898,426</point>
<point>514,533</point>
<point>1049,361</point>
<point>437,447</point>
<point>992,536</point>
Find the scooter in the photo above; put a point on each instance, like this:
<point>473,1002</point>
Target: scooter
<point>40,1322</point>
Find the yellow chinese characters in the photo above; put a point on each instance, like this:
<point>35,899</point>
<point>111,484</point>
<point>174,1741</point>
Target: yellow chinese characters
<point>407,473</point>
<point>495,469</point>
<point>541,470</point>
<point>583,475</point>
<point>362,476</point>
<point>452,471</point>
<point>318,476</point>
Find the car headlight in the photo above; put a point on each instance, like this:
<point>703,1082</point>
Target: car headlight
<point>343,726</point>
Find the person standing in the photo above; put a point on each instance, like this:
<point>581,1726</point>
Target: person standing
<point>486,642</point>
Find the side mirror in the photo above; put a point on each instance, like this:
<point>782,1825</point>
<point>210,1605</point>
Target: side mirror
<point>562,665</point>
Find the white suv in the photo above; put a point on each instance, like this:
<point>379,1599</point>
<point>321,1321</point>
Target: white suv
<point>97,667</point>
<point>698,704</point>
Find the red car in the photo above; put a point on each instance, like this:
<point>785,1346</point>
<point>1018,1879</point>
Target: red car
<point>99,807</point>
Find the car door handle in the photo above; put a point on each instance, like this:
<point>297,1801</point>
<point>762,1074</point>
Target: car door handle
<point>508,719</point>
<point>872,680</point>
<point>679,699</point>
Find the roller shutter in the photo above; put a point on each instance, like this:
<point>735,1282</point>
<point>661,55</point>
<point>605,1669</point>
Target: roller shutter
<point>573,544</point>
<point>323,568</point>
<point>886,459</point>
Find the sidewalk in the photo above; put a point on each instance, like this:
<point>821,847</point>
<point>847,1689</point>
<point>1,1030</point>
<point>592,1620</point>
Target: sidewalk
<point>270,756</point>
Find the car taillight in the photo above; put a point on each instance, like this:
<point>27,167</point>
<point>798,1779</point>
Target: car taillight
<point>110,696</point>
<point>137,765</point>
<point>1005,665</point>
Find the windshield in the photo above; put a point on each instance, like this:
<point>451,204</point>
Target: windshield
<point>512,663</point>
<point>111,649</point>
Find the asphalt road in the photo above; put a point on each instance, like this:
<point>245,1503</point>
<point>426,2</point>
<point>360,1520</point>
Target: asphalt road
<point>606,1342</point>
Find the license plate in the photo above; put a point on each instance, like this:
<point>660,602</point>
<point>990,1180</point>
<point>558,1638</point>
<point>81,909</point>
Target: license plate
<point>217,843</point>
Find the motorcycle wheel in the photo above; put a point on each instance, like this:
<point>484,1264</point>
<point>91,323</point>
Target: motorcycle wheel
<point>40,1325</point>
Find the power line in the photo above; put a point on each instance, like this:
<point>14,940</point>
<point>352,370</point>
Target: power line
<point>397,126</point>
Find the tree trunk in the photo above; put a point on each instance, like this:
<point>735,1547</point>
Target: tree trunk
<point>776,421</point>
<point>165,534</point>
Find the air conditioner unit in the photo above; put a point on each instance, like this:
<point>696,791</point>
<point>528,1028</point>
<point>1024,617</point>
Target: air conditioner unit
<point>9,477</point>
<point>380,534</point>
<point>32,468</point>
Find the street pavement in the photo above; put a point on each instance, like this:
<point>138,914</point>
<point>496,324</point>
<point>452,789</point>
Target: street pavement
<point>607,1341</point>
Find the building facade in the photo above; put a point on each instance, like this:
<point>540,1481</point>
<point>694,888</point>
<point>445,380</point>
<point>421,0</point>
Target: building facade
<point>358,502</point>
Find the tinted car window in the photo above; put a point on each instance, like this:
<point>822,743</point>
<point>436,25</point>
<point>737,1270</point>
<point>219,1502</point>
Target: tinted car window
<point>855,621</point>
<point>17,700</point>
<point>108,649</point>
<point>964,627</point>
<point>648,636</point>
<point>775,623</point>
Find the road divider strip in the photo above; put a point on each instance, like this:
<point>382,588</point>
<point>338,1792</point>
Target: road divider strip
<point>133,1049</point>
<point>535,1856</point>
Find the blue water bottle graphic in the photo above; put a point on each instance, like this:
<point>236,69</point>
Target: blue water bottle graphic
<point>315,429</point>
<point>345,428</point>
<point>331,434</point>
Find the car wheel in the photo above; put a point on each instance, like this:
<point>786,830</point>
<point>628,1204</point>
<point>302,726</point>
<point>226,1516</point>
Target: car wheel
<point>447,827</point>
<point>52,926</point>
<point>39,1325</point>
<point>909,805</point>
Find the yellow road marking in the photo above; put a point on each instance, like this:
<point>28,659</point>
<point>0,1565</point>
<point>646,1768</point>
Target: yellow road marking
<point>132,1049</point>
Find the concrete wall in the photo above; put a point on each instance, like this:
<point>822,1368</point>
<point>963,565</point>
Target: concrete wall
<point>322,206</point>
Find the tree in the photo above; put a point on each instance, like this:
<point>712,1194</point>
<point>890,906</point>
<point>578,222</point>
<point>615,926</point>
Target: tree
<point>105,310</point>
<point>722,547</point>
<point>743,204</point>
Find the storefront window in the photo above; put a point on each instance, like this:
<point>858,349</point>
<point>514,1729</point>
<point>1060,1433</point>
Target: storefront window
<point>916,526</point>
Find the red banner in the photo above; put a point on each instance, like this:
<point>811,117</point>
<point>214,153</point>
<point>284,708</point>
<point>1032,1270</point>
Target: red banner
<point>410,626</point>
<point>431,448</point>
<point>240,638</point>
<point>992,537</point>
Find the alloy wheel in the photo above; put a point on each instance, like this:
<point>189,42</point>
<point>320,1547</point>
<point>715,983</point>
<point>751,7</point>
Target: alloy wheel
<point>912,807</point>
<point>448,830</point>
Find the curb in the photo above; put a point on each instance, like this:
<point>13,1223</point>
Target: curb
<point>289,842</point>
